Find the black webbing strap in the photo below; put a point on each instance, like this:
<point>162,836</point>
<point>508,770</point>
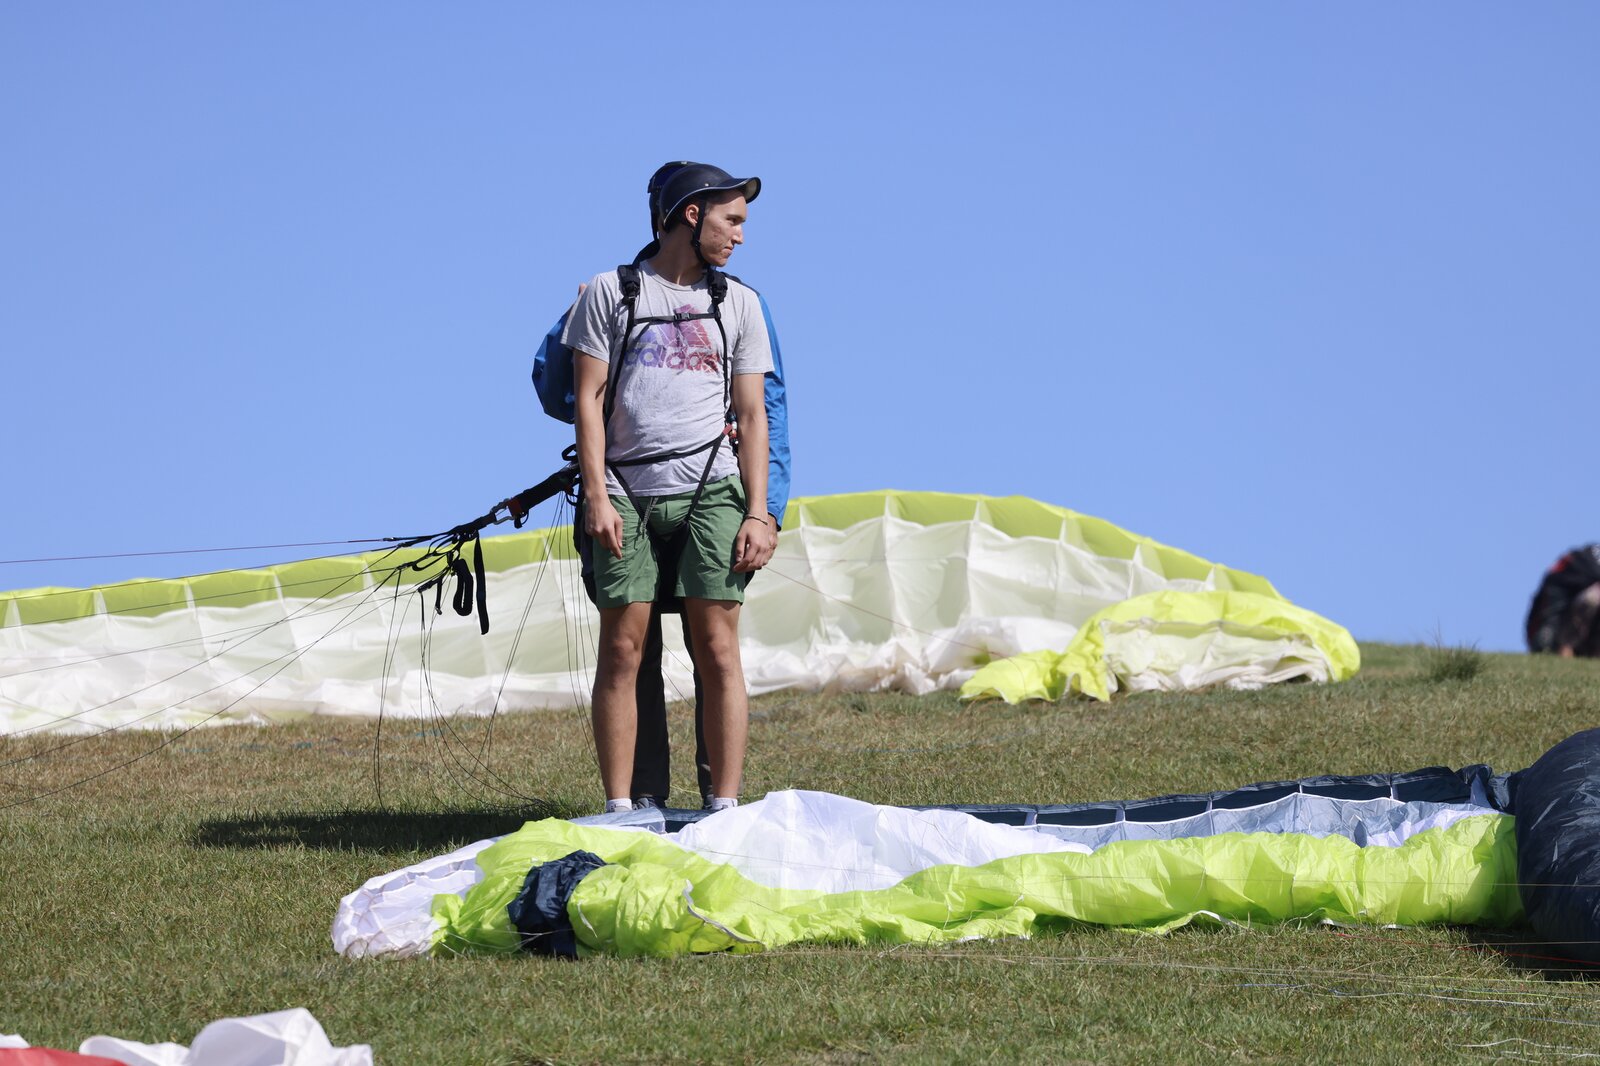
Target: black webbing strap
<point>662,457</point>
<point>705,474</point>
<point>483,586</point>
<point>469,590</point>
<point>628,281</point>
<point>462,600</point>
<point>468,582</point>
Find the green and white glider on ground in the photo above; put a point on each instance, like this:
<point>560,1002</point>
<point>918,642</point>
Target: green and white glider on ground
<point>879,590</point>
<point>1419,847</point>
<point>811,867</point>
<point>1176,640</point>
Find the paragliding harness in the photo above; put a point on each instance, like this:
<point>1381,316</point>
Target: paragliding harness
<point>667,547</point>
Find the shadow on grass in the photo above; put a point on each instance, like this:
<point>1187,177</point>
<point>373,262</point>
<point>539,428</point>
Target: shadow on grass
<point>368,830</point>
<point>1537,958</point>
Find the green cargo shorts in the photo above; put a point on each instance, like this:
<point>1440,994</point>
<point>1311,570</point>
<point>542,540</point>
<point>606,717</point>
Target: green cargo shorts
<point>703,568</point>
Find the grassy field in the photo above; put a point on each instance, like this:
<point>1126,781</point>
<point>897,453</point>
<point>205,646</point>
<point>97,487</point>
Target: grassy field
<point>200,880</point>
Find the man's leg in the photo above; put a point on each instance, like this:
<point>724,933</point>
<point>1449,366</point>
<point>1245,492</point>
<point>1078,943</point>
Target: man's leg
<point>714,631</point>
<point>652,767</point>
<point>712,595</point>
<point>651,775</point>
<point>615,713</point>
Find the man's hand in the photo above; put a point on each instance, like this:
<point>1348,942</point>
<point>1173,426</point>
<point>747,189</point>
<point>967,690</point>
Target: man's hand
<point>602,522</point>
<point>753,547</point>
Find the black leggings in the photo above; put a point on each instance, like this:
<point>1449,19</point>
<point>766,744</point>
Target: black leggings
<point>652,759</point>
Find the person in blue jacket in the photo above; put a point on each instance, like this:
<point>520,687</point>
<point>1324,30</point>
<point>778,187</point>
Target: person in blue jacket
<point>553,379</point>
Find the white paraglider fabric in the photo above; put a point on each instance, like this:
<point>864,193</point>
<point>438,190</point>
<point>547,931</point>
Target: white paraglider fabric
<point>389,914</point>
<point>283,1038</point>
<point>879,603</point>
<point>816,840</point>
<point>1142,657</point>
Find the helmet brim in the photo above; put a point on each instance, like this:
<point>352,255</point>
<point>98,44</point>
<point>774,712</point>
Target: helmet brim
<point>749,187</point>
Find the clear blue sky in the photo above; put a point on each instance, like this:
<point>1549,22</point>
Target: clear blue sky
<point>1309,290</point>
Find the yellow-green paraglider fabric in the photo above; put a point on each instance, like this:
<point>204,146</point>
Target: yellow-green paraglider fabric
<point>1082,667</point>
<point>656,898</point>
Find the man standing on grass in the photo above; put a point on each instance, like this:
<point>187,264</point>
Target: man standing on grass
<point>669,353</point>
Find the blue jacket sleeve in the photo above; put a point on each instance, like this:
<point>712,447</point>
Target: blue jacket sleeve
<point>777,397</point>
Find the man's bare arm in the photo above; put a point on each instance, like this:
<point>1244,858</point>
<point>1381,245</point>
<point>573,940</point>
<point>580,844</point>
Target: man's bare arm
<point>600,518</point>
<point>757,538</point>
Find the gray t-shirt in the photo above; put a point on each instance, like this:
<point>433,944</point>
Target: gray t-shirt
<point>670,394</point>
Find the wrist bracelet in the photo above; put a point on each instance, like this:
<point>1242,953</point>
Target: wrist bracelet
<point>757,517</point>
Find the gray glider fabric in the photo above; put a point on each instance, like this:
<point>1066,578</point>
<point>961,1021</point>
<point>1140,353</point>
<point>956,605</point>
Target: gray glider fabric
<point>1558,846</point>
<point>1319,806</point>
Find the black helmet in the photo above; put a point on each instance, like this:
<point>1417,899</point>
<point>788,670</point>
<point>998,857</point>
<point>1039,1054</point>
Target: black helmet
<point>674,184</point>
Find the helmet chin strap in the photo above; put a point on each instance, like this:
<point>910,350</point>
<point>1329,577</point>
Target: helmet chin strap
<point>699,224</point>
<point>653,249</point>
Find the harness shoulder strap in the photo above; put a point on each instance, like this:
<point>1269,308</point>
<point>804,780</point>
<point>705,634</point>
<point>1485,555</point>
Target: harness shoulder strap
<point>717,286</point>
<point>628,282</point>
